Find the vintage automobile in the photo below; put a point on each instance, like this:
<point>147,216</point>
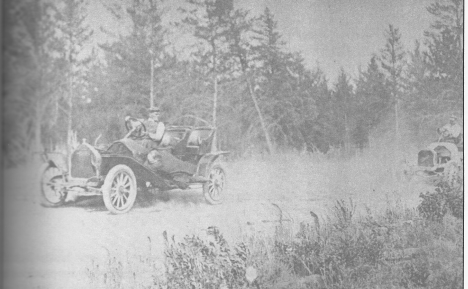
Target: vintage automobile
<point>125,167</point>
<point>439,161</point>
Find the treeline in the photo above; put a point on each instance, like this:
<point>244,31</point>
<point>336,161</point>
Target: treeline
<point>236,75</point>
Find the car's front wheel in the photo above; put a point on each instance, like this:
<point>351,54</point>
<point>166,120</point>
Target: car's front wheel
<point>119,190</point>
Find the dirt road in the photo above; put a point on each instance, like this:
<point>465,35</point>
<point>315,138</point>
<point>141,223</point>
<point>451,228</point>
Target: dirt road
<point>53,247</point>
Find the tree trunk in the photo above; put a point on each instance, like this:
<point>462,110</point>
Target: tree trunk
<point>347,140</point>
<point>70,99</point>
<point>397,122</point>
<point>262,121</point>
<point>396,150</point>
<point>37,130</point>
<point>152,82</point>
<point>70,118</point>
<point>70,110</point>
<point>38,114</point>
<point>214,147</point>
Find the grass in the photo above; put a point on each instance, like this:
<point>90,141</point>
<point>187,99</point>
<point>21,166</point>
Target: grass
<point>394,248</point>
<point>371,234</point>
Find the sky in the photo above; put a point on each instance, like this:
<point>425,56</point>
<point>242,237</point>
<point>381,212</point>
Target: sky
<point>333,34</point>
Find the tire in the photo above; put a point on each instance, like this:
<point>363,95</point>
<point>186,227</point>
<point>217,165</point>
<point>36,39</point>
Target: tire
<point>119,190</point>
<point>51,181</point>
<point>214,188</point>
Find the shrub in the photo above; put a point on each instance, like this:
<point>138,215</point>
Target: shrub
<point>390,249</point>
<point>446,198</point>
<point>343,248</point>
<point>199,263</point>
<point>448,279</point>
<point>415,273</point>
<point>271,272</point>
<point>432,207</point>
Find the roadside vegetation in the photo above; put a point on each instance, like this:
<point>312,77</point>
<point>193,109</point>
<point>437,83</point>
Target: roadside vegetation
<point>399,247</point>
<point>264,100</point>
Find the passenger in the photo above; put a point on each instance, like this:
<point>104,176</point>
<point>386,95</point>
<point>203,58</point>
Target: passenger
<point>452,131</point>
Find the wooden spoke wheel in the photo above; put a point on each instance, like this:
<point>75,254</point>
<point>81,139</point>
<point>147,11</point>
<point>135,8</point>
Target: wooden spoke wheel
<point>120,189</point>
<point>213,190</point>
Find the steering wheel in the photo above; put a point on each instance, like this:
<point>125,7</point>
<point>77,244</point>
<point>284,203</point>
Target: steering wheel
<point>132,124</point>
<point>443,134</point>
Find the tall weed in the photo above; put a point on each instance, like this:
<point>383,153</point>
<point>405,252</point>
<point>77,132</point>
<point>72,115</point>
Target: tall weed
<point>447,198</point>
<point>201,263</point>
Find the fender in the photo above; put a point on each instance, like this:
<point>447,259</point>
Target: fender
<point>142,173</point>
<point>205,162</point>
<point>42,169</point>
<point>57,160</point>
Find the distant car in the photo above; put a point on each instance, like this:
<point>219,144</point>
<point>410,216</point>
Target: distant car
<point>116,172</point>
<point>439,161</point>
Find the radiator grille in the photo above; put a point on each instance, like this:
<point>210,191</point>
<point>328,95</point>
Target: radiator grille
<point>426,158</point>
<point>81,166</point>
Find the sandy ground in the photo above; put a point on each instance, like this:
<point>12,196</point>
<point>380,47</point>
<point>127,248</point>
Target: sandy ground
<point>53,247</point>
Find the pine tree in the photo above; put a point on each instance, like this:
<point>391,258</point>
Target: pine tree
<point>146,17</point>
<point>444,57</point>
<point>393,63</point>
<point>345,108</point>
<point>435,72</point>
<point>282,85</point>
<point>421,98</point>
<point>240,48</point>
<point>136,60</point>
<point>270,52</point>
<point>76,35</point>
<point>32,74</point>
<point>320,129</point>
<point>209,22</point>
<point>373,100</point>
<point>445,40</point>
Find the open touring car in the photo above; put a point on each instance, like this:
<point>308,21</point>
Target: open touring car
<point>439,161</point>
<point>126,165</point>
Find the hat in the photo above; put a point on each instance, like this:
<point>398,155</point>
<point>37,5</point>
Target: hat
<point>154,109</point>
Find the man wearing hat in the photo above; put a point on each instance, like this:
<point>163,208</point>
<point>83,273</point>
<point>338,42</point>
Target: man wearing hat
<point>161,159</point>
<point>154,127</point>
<point>452,130</point>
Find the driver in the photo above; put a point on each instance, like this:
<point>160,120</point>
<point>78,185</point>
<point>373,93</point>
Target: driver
<point>155,128</point>
<point>159,158</point>
<point>452,131</point>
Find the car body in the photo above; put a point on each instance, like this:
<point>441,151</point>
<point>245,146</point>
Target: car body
<point>117,171</point>
<point>438,161</point>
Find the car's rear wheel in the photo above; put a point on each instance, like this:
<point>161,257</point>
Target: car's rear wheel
<point>214,188</point>
<point>52,190</point>
<point>119,190</point>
